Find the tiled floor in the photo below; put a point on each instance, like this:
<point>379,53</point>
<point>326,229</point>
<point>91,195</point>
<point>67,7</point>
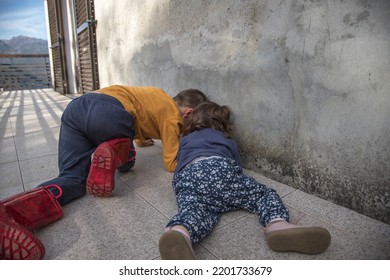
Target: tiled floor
<point>128,224</point>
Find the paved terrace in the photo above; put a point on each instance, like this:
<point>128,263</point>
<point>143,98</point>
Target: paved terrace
<point>128,225</point>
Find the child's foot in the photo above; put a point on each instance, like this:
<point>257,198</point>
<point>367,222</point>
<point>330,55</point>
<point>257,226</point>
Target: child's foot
<point>130,159</point>
<point>105,160</point>
<point>174,245</point>
<point>101,181</point>
<point>16,242</point>
<point>285,237</point>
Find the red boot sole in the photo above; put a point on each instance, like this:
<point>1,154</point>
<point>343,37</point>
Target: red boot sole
<point>101,181</point>
<point>18,243</point>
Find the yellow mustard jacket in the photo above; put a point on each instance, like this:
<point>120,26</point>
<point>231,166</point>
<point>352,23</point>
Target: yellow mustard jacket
<point>156,116</point>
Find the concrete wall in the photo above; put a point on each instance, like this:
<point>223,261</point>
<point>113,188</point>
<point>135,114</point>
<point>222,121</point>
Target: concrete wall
<point>308,82</point>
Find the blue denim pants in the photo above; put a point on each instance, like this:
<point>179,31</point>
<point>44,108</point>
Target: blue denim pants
<point>87,121</point>
<point>210,187</point>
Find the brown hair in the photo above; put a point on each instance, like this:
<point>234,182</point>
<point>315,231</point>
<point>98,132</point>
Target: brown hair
<point>190,98</point>
<point>209,115</point>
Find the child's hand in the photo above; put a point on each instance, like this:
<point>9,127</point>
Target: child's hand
<point>146,143</point>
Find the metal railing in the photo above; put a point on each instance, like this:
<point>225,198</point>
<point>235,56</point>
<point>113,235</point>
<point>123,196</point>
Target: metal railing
<point>24,71</point>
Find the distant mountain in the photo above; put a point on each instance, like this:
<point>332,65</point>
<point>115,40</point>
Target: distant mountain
<point>24,45</point>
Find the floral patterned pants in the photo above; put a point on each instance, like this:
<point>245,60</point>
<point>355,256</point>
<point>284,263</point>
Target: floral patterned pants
<point>209,187</point>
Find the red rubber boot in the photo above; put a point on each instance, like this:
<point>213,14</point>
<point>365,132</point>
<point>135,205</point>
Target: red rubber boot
<point>24,212</point>
<point>105,160</point>
<point>16,242</point>
<point>35,208</point>
<point>130,159</point>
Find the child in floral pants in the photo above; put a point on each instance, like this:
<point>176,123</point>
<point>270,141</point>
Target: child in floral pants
<point>209,181</point>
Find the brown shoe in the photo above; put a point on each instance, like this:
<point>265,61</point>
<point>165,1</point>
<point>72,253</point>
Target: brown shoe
<point>305,240</point>
<point>174,245</point>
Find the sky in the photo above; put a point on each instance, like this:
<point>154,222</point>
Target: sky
<point>22,17</point>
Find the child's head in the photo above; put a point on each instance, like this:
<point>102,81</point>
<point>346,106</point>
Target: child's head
<point>190,98</point>
<point>187,100</point>
<point>209,115</point>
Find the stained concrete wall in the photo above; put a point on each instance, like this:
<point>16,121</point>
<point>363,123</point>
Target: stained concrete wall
<point>308,82</point>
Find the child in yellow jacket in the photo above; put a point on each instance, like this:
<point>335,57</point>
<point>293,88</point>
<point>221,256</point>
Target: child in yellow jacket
<point>156,115</point>
<point>96,136</point>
